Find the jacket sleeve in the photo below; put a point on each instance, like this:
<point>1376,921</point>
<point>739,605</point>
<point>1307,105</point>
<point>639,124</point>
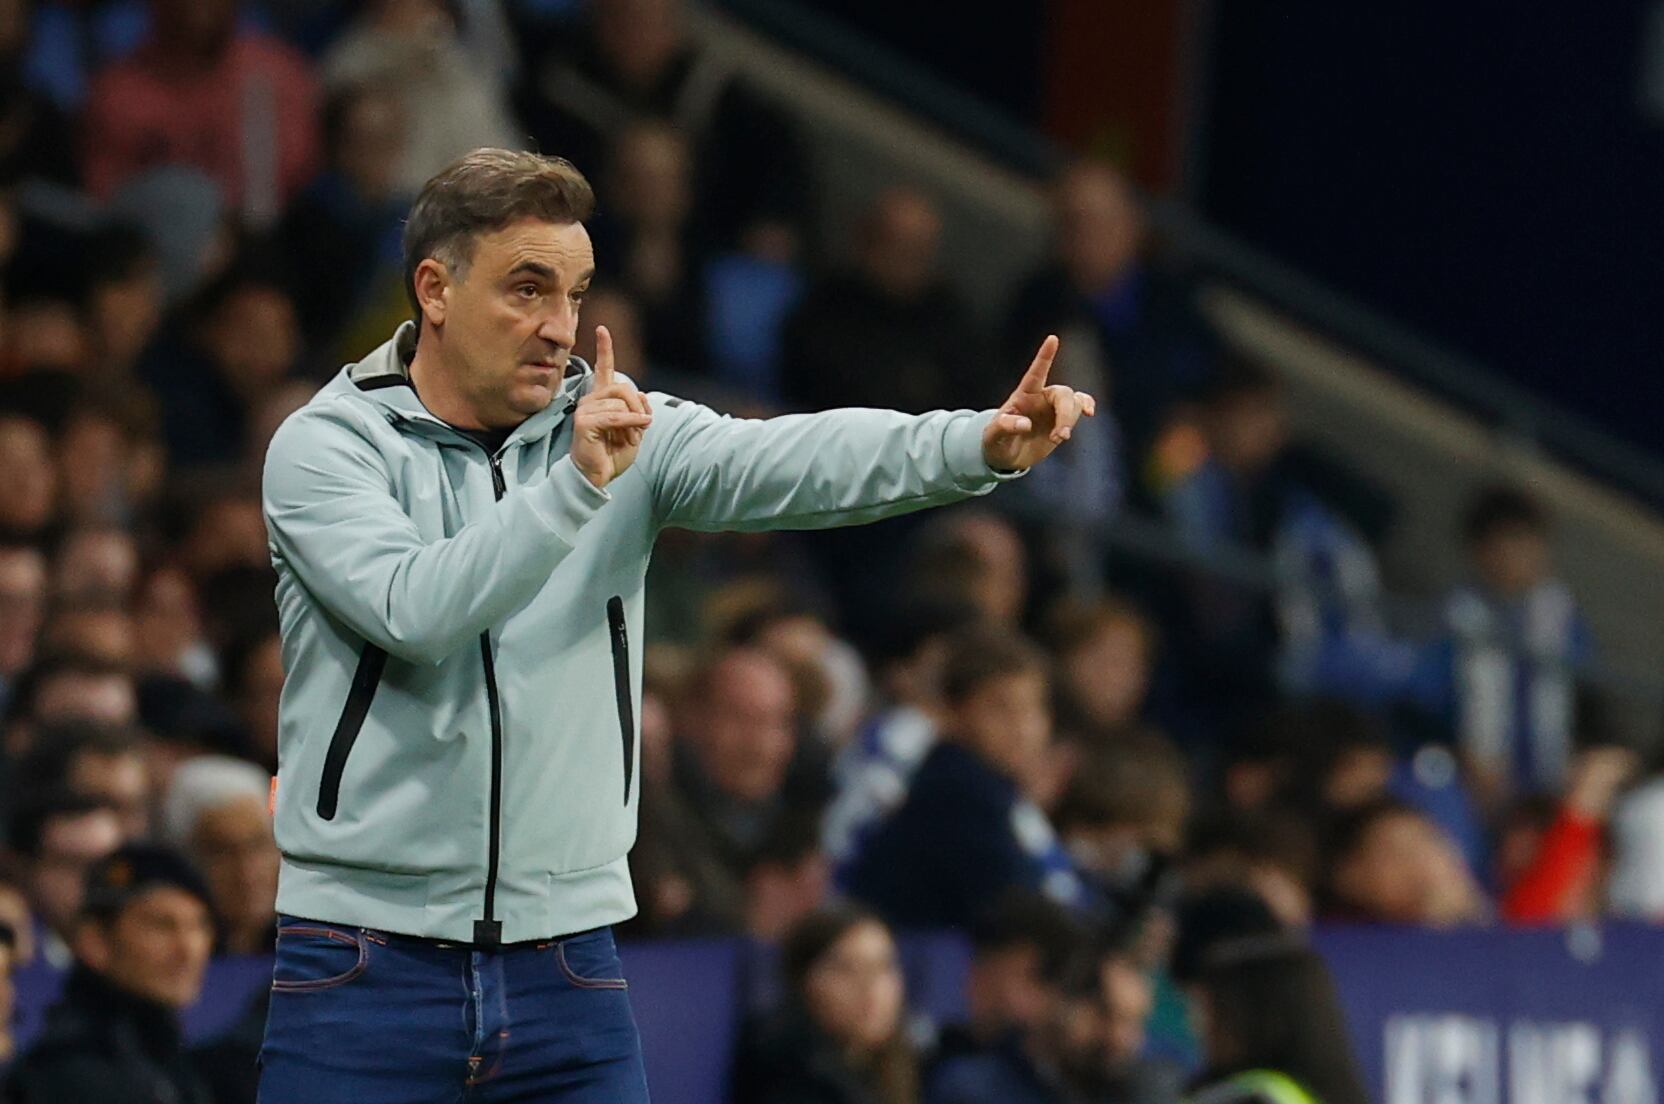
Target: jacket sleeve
<point>333,520</point>
<point>813,471</point>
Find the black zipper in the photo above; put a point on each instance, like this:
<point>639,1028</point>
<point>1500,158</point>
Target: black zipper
<point>621,685</point>
<point>371,662</point>
<point>489,932</point>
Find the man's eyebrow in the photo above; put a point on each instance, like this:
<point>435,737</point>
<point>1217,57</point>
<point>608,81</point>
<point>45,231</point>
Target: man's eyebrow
<point>541,271</point>
<point>585,277</point>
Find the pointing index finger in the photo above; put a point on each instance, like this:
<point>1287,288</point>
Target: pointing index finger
<point>1034,380</point>
<point>603,358</point>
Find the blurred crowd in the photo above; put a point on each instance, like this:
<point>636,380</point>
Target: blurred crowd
<point>1132,784</point>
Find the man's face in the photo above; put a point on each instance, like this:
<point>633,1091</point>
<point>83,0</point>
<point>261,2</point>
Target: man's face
<point>28,492</point>
<point>1008,721</point>
<point>239,858</point>
<point>748,733</point>
<point>1513,560</point>
<point>157,947</point>
<point>68,846</point>
<point>509,320</point>
<point>22,604</point>
<point>87,696</point>
<point>121,780</point>
<point>1109,673</point>
<point>1006,991</point>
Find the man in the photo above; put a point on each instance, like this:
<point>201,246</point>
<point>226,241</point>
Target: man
<point>105,762</point>
<point>216,812</point>
<point>461,524</point>
<point>56,838</point>
<point>141,950</point>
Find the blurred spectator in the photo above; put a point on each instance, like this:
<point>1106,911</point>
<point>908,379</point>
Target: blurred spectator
<point>830,679</point>
<point>33,131</point>
<point>205,93</point>
<point>1272,1027</point>
<point>1024,951</point>
<point>451,103</point>
<point>1131,334</point>
<point>887,331</point>
<point>124,299</point>
<point>646,238</point>
<point>22,607</point>
<point>739,769</point>
<point>10,959</point>
<point>977,555</point>
<point>217,812</point>
<point>102,762</point>
<point>141,950</point>
<point>788,879</point>
<point>1271,854</point>
<point>1503,677</point>
<point>94,628</point>
<point>1106,652</point>
<point>873,772</point>
<point>343,233</point>
<point>1390,864</point>
<point>241,339</point>
<point>966,833</point>
<point>96,562</point>
<point>169,620</point>
<point>1552,870</point>
<point>183,214</point>
<point>1125,810</point>
<point>841,1037</point>
<point>632,60</point>
<point>609,306</point>
<point>68,688</point>
<point>28,494</point>
<point>56,837</point>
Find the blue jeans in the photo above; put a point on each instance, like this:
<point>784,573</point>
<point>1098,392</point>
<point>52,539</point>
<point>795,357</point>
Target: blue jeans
<point>364,1017</point>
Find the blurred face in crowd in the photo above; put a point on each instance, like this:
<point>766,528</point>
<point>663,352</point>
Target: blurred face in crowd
<point>100,631</point>
<point>22,600</point>
<point>254,339</point>
<point>638,37</point>
<point>200,28</point>
<point>168,618</point>
<point>1403,870</point>
<point>780,894</point>
<point>1248,430</point>
<point>69,845</point>
<point>233,843</point>
<point>121,780</point>
<point>854,992</point>
<point>508,318</point>
<point>8,1001</point>
<point>651,178</point>
<point>1512,559</point>
<point>1359,775</point>
<point>28,492</point>
<point>747,727</point>
<point>371,144</point>
<point>1099,228</point>
<point>74,694</point>
<point>125,313</point>
<point>14,911</point>
<point>96,563</point>
<point>1007,720</point>
<point>898,239</point>
<point>1128,998</point>
<point>999,586</point>
<point>156,947</point>
<point>48,333</point>
<point>229,532</point>
<point>1109,672</point>
<point>1008,991</point>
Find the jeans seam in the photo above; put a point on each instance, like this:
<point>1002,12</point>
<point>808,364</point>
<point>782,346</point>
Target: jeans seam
<point>583,982</point>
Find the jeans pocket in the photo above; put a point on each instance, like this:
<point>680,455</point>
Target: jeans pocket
<point>311,957</point>
<point>591,962</point>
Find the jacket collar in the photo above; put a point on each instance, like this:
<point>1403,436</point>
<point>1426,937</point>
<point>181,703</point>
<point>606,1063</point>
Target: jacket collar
<point>89,998</point>
<point>383,378</point>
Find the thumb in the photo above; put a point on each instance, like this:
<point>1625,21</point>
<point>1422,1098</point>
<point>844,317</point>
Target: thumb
<point>603,358</point>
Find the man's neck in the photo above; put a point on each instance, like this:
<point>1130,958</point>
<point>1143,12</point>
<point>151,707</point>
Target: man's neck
<point>437,389</point>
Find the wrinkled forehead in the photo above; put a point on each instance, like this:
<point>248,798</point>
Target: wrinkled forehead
<point>561,249</point>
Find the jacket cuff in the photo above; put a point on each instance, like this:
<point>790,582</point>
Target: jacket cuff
<point>962,444</point>
<point>567,500</point>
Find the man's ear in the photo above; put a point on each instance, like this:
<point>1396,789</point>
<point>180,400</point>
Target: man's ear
<point>433,290</point>
<point>91,943</point>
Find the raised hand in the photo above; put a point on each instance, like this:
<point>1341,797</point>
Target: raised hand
<point>1036,418</point>
<point>609,421</point>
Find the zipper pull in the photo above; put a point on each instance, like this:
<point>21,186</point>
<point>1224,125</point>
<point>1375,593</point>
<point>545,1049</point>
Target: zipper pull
<point>497,482</point>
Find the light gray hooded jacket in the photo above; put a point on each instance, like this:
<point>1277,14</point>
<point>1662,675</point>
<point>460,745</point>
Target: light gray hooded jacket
<point>457,743</point>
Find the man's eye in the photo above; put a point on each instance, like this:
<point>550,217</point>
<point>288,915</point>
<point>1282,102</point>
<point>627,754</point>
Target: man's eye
<point>527,291</point>
<point>578,296</point>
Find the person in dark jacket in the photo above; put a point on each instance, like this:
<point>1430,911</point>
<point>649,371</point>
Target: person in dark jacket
<point>840,1037</point>
<point>141,950</point>
<point>967,834</point>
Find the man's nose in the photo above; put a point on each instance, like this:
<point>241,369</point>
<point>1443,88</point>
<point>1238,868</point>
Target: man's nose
<point>560,325</point>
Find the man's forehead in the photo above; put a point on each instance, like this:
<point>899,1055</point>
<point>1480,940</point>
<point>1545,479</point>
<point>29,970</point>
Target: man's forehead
<point>563,247</point>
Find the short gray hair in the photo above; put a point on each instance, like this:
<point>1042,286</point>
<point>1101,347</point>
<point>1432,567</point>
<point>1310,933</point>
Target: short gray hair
<point>484,191</point>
